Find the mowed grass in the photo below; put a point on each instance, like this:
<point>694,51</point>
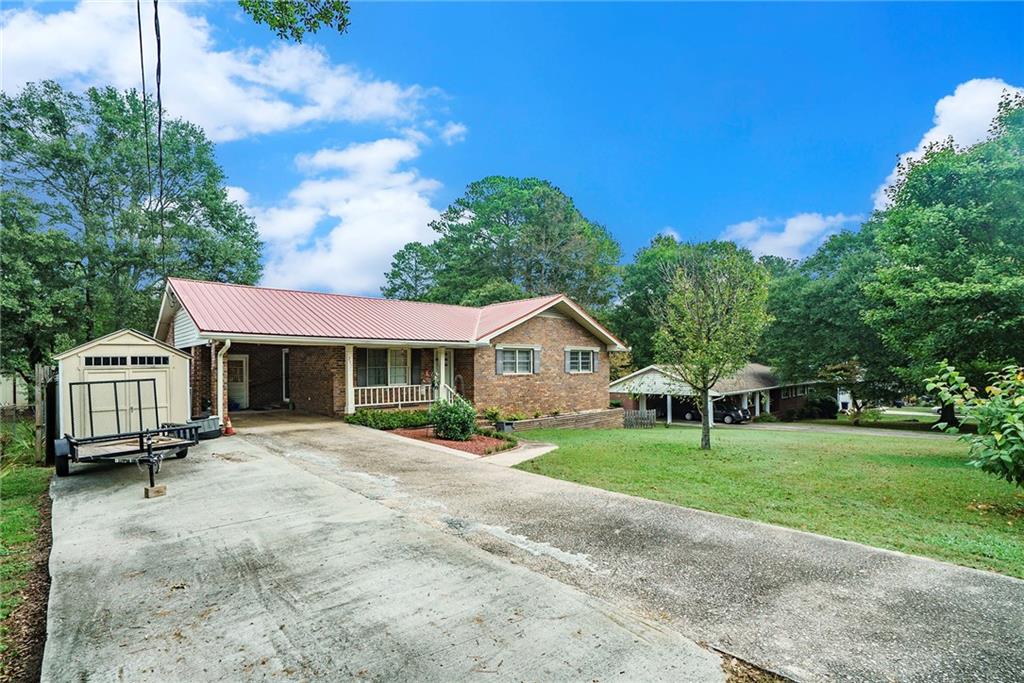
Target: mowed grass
<point>916,495</point>
<point>21,487</point>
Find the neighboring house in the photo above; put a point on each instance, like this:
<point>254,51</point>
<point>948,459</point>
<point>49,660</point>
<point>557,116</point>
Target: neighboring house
<point>755,387</point>
<point>14,394</point>
<point>330,354</point>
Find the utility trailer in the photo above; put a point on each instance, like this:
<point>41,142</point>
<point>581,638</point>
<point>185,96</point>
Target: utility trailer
<point>132,441</point>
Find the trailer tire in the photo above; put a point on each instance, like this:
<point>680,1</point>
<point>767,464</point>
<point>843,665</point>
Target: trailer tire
<point>62,464</point>
<point>181,454</point>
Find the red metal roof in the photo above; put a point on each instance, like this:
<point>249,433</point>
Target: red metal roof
<point>219,308</point>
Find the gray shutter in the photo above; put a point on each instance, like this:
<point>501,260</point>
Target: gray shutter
<point>593,363</point>
<point>536,361</point>
<point>497,361</point>
<point>416,371</point>
<point>359,357</point>
<point>567,361</point>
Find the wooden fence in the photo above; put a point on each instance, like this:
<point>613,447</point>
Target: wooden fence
<point>639,419</point>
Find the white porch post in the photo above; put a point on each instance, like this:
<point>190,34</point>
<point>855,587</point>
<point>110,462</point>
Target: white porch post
<point>441,357</point>
<point>668,409</point>
<point>768,401</point>
<point>757,403</point>
<point>711,410</point>
<point>744,401</point>
<point>350,388</point>
<point>643,401</point>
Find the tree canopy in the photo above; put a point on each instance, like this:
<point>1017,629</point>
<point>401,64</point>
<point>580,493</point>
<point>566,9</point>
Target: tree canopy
<point>293,19</point>
<point>87,241</point>
<point>509,237</point>
<point>949,284</point>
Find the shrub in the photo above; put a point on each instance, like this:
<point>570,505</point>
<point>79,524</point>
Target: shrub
<point>998,445</point>
<point>819,407</point>
<point>766,418</point>
<point>492,414</point>
<point>454,420</point>
<point>515,417</point>
<point>389,419</point>
<point>615,404</point>
<point>789,415</point>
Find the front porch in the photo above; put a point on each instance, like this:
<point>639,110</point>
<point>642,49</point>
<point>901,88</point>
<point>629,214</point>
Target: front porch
<point>339,379</point>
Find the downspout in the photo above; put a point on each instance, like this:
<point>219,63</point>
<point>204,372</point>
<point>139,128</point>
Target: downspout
<point>220,379</point>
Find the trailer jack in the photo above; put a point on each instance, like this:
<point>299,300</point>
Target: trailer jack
<point>152,460</point>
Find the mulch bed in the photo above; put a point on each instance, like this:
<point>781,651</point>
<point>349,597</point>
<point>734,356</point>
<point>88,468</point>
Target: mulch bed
<point>478,444</point>
<point>26,625</point>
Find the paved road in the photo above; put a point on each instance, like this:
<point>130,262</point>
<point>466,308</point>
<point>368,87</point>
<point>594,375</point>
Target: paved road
<point>252,568</point>
<point>811,607</point>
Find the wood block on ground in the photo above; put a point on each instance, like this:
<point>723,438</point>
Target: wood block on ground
<point>156,491</point>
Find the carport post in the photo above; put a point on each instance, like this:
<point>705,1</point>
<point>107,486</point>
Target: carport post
<point>643,401</point>
<point>757,403</point>
<point>768,401</point>
<point>350,390</point>
<point>744,401</point>
<point>668,409</point>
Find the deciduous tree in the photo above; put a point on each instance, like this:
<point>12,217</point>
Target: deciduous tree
<point>712,317</point>
<point>293,19</point>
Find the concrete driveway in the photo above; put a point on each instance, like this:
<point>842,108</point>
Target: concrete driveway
<point>253,568</point>
<point>811,607</point>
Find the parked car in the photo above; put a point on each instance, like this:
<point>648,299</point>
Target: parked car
<point>723,412</point>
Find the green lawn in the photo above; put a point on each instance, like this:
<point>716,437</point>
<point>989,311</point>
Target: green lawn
<point>21,486</point>
<point>910,494</point>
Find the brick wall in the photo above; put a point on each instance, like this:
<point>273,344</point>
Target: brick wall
<point>199,378</point>
<point>318,379</point>
<point>266,388</point>
<point>553,388</point>
<point>628,402</point>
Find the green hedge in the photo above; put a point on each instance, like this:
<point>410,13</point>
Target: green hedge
<point>390,419</point>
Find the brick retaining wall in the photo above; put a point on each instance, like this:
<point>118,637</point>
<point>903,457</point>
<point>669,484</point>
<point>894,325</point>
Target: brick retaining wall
<point>593,419</point>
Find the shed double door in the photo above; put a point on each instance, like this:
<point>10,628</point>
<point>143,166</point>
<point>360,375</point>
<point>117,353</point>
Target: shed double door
<point>119,406</point>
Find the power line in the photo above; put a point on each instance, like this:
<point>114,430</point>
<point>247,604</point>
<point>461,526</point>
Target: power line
<point>159,138</point>
<point>145,102</point>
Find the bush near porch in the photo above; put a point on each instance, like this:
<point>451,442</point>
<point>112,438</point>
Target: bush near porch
<point>917,495</point>
<point>389,419</point>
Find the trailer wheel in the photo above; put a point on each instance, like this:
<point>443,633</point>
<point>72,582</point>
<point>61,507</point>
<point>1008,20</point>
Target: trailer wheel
<point>181,454</point>
<point>62,464</point>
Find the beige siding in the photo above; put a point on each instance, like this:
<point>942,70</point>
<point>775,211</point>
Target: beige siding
<point>185,334</point>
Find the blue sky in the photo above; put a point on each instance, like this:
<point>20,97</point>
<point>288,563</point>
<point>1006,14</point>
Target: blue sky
<point>771,124</point>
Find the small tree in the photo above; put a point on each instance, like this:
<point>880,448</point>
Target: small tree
<point>998,446</point>
<point>712,317</point>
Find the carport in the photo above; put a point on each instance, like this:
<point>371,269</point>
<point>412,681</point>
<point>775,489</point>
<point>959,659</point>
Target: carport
<point>658,388</point>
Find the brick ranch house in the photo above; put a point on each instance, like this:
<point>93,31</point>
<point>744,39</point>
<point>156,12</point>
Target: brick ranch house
<point>330,354</point>
<point>754,387</point>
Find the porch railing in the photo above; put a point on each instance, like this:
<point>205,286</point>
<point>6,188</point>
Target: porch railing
<point>399,395</point>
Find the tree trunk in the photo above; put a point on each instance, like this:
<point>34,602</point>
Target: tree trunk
<point>705,422</point>
<point>948,415</point>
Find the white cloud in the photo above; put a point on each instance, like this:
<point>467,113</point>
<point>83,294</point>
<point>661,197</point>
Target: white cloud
<point>231,93</point>
<point>792,237</point>
<point>963,116</point>
<point>338,229</point>
<point>453,132</point>
<point>669,231</point>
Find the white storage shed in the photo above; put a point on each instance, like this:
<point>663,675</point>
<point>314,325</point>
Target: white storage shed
<point>125,381</point>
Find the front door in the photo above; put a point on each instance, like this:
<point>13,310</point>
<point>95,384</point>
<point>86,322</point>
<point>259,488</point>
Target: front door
<point>449,368</point>
<point>238,381</point>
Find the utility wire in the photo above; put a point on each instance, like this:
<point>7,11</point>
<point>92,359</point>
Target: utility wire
<point>145,102</point>
<point>159,137</point>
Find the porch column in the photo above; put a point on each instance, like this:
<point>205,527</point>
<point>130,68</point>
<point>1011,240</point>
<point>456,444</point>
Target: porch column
<point>439,368</point>
<point>350,387</point>
<point>643,401</point>
<point>668,409</point>
<point>744,401</point>
<point>768,401</point>
<point>757,403</point>
<point>711,410</point>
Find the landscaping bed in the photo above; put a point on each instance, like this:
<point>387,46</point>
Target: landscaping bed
<point>478,444</point>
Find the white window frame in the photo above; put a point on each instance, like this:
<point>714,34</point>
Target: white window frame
<point>581,350</point>
<point>517,350</point>
<point>407,366</point>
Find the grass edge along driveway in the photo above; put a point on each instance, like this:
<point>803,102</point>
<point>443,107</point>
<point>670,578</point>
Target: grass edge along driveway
<point>917,496</point>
